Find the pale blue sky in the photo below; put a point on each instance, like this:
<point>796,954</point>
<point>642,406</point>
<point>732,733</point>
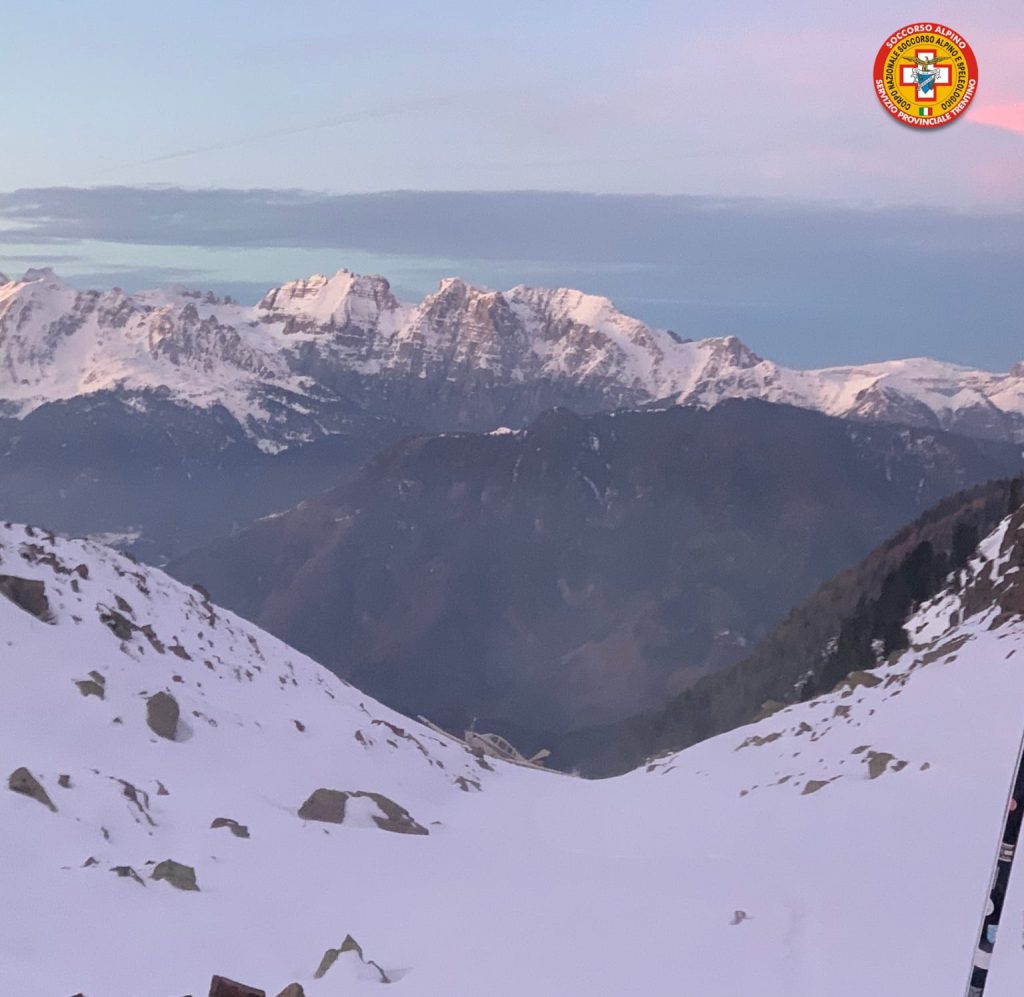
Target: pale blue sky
<point>770,104</point>
<point>735,97</point>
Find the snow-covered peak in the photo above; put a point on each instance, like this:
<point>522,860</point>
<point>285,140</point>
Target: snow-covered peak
<point>348,334</point>
<point>346,298</point>
<point>568,303</point>
<point>731,350</point>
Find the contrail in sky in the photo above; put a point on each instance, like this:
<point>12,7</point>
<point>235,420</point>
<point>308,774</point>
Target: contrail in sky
<point>382,111</point>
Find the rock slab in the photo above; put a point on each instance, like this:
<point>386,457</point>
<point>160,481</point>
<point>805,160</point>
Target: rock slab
<point>24,782</point>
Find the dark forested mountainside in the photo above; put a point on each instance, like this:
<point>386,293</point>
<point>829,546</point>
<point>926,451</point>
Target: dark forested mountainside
<point>587,568</point>
<point>850,623</point>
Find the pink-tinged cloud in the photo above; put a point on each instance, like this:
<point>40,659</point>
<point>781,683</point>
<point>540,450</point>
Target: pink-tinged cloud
<point>1009,117</point>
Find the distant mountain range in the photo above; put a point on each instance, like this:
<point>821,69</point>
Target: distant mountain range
<point>164,419</point>
<point>584,568</point>
<point>291,367</point>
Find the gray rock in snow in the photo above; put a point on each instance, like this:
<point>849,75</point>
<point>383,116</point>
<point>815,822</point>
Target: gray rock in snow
<point>119,624</point>
<point>127,872</point>
<point>24,782</point>
<point>162,713</point>
<point>238,830</point>
<point>221,986</point>
<point>181,877</point>
<point>328,805</point>
<point>94,685</point>
<point>330,957</point>
<point>28,594</point>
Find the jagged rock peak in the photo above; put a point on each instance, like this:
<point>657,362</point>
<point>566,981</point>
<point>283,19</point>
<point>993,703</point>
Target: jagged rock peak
<point>40,275</point>
<point>734,351</point>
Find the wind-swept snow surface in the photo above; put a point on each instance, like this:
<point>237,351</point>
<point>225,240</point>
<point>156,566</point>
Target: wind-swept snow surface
<point>841,847</point>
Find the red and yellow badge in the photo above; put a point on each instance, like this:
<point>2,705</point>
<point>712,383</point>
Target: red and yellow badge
<point>926,75</point>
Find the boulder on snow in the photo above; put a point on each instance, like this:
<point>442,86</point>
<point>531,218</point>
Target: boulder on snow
<point>328,805</point>
<point>127,872</point>
<point>325,805</point>
<point>28,594</point>
<point>238,830</point>
<point>330,957</point>
<point>94,685</point>
<point>119,624</point>
<point>878,762</point>
<point>24,782</point>
<point>181,877</point>
<point>162,713</point>
<point>221,986</point>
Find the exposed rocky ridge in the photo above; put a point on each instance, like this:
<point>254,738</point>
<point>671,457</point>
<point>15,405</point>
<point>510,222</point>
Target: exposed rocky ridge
<point>583,569</point>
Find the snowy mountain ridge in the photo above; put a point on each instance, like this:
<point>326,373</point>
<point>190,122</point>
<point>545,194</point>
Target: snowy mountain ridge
<point>841,846</point>
<point>310,343</point>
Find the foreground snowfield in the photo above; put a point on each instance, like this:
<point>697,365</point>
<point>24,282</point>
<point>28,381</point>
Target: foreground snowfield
<point>537,884</point>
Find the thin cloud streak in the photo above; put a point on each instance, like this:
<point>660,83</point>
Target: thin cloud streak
<point>370,114</point>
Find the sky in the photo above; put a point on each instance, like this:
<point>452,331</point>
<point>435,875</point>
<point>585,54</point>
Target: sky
<point>766,108</point>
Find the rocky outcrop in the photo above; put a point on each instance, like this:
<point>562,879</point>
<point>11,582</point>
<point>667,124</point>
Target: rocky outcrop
<point>238,830</point>
<point>28,594</point>
<point>127,872</point>
<point>119,624</point>
<point>329,806</point>
<point>330,957</point>
<point>221,986</point>
<point>162,714</point>
<point>94,685</point>
<point>878,763</point>
<point>24,782</point>
<point>181,877</point>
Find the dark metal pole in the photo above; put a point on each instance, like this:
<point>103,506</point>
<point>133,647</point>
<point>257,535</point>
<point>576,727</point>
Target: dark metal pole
<point>999,881</point>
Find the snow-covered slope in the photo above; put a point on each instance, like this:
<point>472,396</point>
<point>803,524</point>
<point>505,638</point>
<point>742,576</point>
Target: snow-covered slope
<point>840,847</point>
<point>462,358</point>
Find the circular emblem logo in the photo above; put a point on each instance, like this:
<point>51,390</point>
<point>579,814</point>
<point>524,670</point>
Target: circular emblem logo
<point>925,75</point>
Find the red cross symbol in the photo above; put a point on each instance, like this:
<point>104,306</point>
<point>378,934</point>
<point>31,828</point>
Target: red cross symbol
<point>942,75</point>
